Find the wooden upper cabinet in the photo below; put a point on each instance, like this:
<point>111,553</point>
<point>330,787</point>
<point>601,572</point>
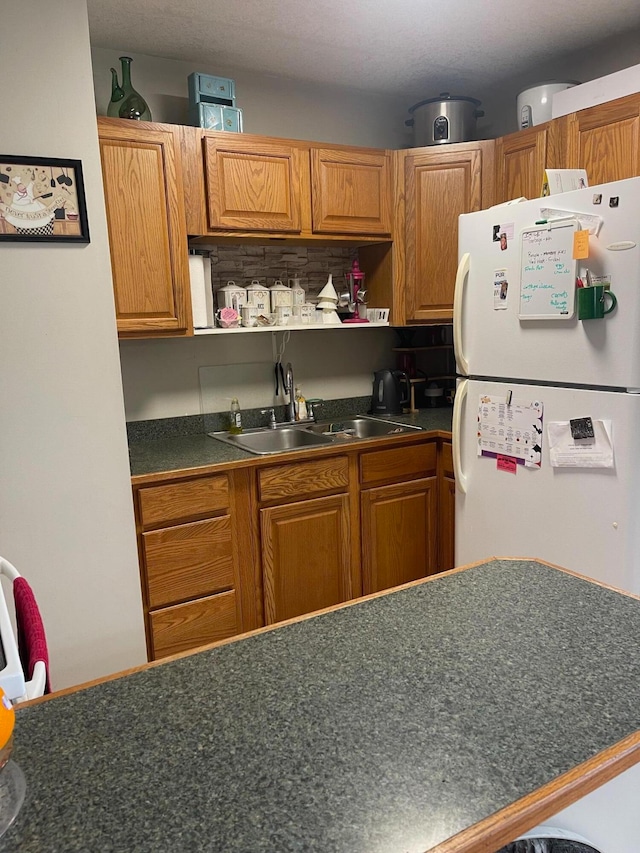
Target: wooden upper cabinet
<point>350,191</point>
<point>252,185</point>
<point>522,157</point>
<point>146,223</point>
<point>605,140</point>
<point>439,186</point>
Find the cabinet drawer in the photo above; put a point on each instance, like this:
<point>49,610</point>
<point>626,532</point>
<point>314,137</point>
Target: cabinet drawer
<point>398,464</point>
<point>304,479</point>
<point>187,626</point>
<point>188,560</point>
<point>180,501</point>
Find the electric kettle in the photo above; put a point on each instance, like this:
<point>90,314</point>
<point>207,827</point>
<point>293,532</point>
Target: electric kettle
<point>387,396</point>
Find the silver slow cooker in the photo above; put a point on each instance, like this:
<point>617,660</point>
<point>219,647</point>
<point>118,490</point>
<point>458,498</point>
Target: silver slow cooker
<point>447,118</point>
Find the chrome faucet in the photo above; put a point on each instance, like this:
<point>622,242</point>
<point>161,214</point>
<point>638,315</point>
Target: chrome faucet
<point>272,416</point>
<point>288,387</point>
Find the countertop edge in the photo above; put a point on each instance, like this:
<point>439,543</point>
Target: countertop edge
<point>518,817</point>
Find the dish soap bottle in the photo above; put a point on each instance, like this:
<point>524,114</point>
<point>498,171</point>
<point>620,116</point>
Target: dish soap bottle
<point>235,417</point>
<point>301,405</point>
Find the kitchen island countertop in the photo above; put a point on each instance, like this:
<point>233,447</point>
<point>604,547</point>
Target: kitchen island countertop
<point>193,451</point>
<point>447,715</point>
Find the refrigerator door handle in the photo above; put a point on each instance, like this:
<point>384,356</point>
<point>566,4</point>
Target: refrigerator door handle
<point>462,277</point>
<point>458,403</point>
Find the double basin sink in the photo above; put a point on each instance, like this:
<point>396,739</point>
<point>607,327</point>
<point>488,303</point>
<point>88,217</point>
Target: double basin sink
<point>265,440</point>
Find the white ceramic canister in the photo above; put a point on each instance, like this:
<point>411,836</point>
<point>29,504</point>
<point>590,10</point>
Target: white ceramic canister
<point>281,296</point>
<point>307,313</point>
<point>298,292</point>
<point>258,296</point>
<point>232,296</point>
<point>250,314</point>
<point>284,315</point>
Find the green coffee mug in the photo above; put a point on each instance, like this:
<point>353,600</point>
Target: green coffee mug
<point>591,302</point>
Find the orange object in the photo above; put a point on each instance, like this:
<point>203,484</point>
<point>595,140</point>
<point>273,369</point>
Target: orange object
<point>7,719</point>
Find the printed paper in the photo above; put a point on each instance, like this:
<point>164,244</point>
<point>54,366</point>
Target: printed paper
<point>510,429</point>
<point>568,452</point>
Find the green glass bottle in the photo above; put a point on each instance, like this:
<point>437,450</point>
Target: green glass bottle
<point>131,104</point>
<point>116,95</point>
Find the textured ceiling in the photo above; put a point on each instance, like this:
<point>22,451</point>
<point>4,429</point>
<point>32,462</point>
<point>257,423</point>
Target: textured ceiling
<point>392,46</point>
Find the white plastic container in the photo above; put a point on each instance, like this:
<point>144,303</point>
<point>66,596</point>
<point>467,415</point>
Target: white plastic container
<point>534,104</point>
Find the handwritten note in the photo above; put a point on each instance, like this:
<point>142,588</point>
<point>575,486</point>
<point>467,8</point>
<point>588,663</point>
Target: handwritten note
<point>581,245</point>
<point>548,272</point>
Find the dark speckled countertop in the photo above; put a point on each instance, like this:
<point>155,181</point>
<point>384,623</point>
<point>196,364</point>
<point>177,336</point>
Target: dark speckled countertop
<point>154,455</point>
<point>387,726</point>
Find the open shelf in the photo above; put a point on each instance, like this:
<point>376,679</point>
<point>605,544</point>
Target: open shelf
<point>422,349</point>
<point>298,327</point>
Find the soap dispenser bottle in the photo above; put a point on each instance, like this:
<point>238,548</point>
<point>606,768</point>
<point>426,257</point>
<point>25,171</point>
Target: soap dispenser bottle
<point>235,417</point>
<point>300,405</point>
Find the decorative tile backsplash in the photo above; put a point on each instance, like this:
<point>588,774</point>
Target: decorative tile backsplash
<point>311,265</point>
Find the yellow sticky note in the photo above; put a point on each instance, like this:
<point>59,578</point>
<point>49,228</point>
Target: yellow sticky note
<point>580,245</point>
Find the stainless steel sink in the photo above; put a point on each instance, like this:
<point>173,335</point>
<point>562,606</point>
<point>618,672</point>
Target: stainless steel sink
<point>358,427</point>
<point>263,442</point>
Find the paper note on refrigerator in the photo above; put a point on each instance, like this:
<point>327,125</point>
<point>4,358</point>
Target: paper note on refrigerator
<point>568,452</point>
<point>510,428</point>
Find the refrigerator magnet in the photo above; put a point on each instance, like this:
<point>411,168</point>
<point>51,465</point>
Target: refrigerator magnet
<point>500,289</point>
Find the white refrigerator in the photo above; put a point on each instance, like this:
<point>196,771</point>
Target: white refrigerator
<point>546,435</point>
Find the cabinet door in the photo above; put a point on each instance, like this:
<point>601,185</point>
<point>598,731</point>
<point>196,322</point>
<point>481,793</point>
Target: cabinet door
<point>399,535</point>
<point>147,231</point>
<point>446,510</point>
<point>253,185</point>
<point>447,515</point>
<point>305,556</point>
<point>351,191</point>
<point>605,140</point>
<point>521,159</point>
<point>439,186</point>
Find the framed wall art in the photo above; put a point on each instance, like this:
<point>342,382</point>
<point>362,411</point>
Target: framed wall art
<point>42,199</point>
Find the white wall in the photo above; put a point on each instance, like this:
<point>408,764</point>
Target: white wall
<point>272,106</point>
<point>161,377</point>
<point>608,56</point>
<point>66,517</point>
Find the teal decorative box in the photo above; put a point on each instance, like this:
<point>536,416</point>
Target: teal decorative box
<point>204,88</point>
<point>212,103</point>
<point>216,117</point>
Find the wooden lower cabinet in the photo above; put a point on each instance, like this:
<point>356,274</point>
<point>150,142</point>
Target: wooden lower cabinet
<point>190,563</point>
<point>306,563</point>
<point>224,553</point>
<point>399,534</point>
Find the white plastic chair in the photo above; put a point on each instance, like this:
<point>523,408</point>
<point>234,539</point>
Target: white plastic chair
<point>13,680</point>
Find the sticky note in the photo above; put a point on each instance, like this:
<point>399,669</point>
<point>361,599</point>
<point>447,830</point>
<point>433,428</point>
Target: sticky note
<point>507,463</point>
<point>580,245</point>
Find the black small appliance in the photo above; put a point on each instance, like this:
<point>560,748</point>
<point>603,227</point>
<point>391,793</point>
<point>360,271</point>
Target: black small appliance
<point>387,396</point>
